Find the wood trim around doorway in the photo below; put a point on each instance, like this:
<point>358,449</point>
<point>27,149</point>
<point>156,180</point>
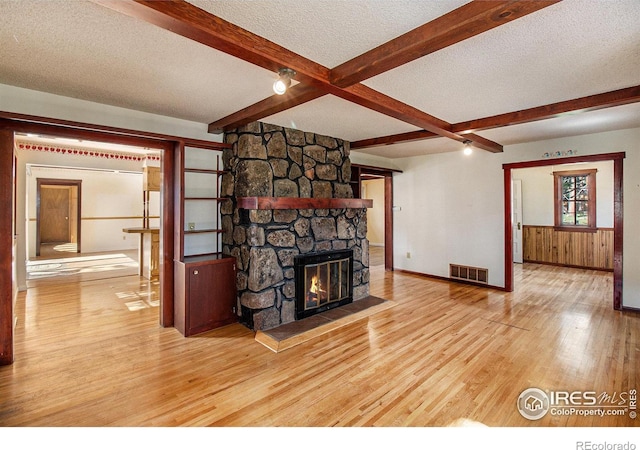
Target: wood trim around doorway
<point>618,212</point>
<point>387,174</point>
<point>8,290</point>
<point>388,221</point>
<point>78,208</point>
<point>11,123</point>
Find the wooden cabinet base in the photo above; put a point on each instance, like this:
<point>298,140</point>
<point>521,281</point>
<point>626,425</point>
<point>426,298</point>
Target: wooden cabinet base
<point>205,294</point>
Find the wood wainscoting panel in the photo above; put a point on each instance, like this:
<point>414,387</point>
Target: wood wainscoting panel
<point>545,244</point>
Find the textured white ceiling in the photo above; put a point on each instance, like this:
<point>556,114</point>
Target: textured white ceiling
<point>618,118</point>
<point>329,32</point>
<point>339,118</point>
<point>569,50</point>
<point>82,50</point>
<point>569,124</point>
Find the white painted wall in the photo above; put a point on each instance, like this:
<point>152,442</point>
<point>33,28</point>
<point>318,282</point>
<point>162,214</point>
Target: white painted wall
<point>374,190</point>
<point>110,202</point>
<point>26,227</point>
<point>453,212</point>
<point>36,103</point>
<point>537,192</point>
<point>372,160</point>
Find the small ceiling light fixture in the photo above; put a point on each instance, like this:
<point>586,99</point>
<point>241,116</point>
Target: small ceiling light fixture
<point>467,147</point>
<point>284,80</point>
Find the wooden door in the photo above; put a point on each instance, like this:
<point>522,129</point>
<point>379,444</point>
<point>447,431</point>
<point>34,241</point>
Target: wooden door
<point>58,212</point>
<point>54,214</point>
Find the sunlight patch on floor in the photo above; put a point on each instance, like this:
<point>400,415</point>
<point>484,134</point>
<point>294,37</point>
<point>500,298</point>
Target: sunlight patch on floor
<point>142,304</point>
<point>40,262</point>
<point>68,247</point>
<point>138,300</point>
<point>83,265</point>
<point>126,295</point>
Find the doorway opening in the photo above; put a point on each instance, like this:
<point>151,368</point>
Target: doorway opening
<point>617,207</point>
<point>373,188</point>
<point>58,216</point>
<point>360,175</point>
<point>84,222</point>
<point>78,197</point>
<point>13,167</point>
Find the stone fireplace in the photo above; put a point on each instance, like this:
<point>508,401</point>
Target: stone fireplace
<point>289,195</point>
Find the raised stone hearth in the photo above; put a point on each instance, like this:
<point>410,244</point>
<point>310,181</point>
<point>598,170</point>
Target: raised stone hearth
<point>294,333</point>
<point>271,161</point>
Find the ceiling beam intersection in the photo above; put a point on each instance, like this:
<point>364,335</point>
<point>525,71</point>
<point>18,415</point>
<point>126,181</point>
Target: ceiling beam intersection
<point>185,19</point>
<point>595,102</point>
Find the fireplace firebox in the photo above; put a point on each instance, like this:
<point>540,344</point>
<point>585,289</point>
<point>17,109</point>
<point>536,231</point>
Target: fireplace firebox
<point>323,281</point>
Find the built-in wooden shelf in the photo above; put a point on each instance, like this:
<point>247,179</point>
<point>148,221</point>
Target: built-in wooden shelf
<point>207,230</point>
<point>218,199</point>
<point>302,203</point>
<point>210,171</point>
<point>204,257</point>
<point>141,230</point>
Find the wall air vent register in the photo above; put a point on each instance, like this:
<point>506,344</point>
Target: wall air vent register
<point>468,273</point>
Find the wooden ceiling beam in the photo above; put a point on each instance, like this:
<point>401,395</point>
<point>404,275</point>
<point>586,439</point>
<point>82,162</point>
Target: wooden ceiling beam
<point>462,23</point>
<point>421,135</point>
<point>185,19</point>
<point>579,105</point>
<point>372,99</point>
<point>484,143</point>
<point>295,95</point>
<point>359,94</point>
<point>610,99</point>
<point>410,136</point>
<point>466,21</point>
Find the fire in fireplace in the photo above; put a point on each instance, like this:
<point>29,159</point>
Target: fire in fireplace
<point>323,281</point>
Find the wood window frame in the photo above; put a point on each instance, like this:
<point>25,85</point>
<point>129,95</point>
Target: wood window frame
<point>557,200</point>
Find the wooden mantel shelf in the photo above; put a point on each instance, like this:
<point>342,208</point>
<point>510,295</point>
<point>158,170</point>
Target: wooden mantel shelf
<point>302,203</point>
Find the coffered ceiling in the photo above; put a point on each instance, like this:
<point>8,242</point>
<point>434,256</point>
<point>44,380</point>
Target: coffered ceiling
<point>395,77</point>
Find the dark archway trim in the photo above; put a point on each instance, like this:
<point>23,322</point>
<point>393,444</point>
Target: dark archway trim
<point>618,212</point>
<point>11,123</point>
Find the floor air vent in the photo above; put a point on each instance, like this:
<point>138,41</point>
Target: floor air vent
<point>473,274</point>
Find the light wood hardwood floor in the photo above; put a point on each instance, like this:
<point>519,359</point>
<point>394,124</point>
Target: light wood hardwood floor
<point>444,352</point>
<point>54,267</point>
